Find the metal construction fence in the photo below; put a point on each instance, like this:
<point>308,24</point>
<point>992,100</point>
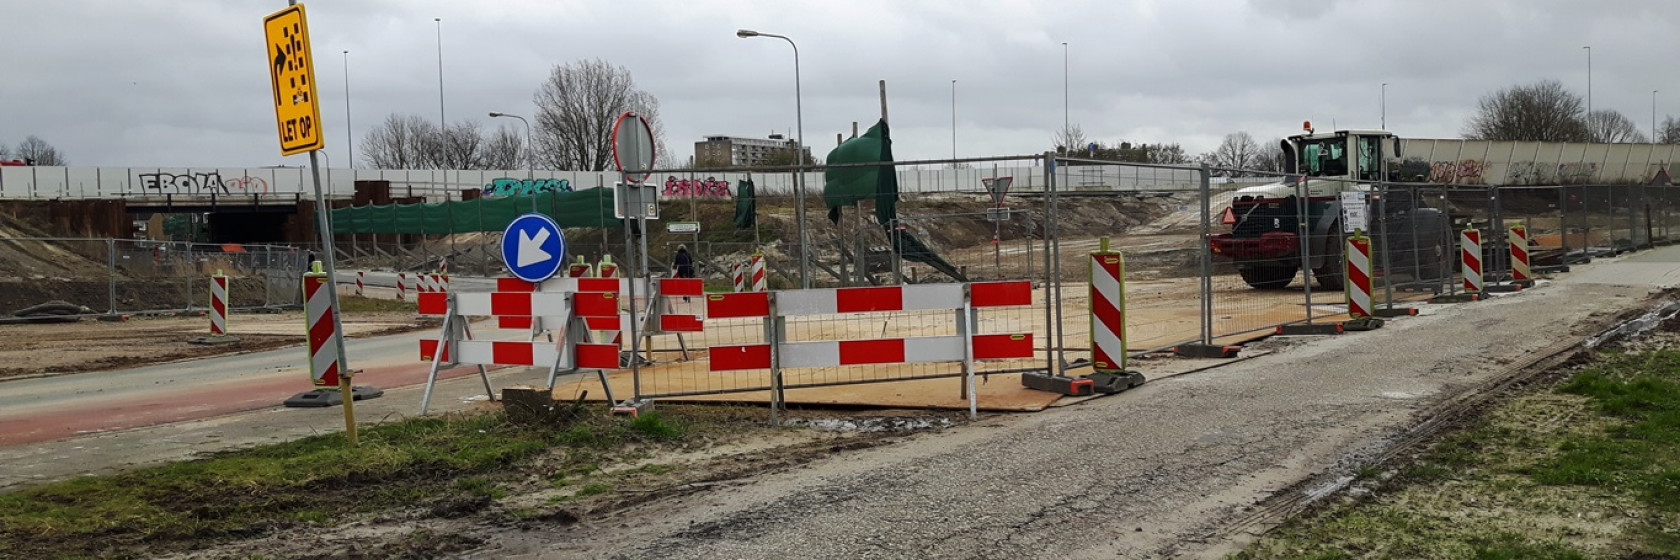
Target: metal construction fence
<point>121,276</point>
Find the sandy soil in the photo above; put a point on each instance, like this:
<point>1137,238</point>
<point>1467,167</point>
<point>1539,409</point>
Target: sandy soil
<point>42,349</point>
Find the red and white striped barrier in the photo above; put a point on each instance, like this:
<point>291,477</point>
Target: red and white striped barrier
<point>359,276</point>
<point>739,275</point>
<point>402,286</point>
<point>218,304</point>
<point>1358,274</point>
<point>580,269</point>
<point>1518,239</point>
<point>965,347</point>
<point>1470,248</point>
<point>1108,310</point>
<point>793,303</point>
<point>666,322</point>
<point>572,309</point>
<point>607,268</point>
<point>323,334</point>
<point>755,273</point>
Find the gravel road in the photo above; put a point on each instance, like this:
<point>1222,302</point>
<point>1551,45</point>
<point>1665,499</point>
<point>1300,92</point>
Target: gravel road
<point>1153,473</point>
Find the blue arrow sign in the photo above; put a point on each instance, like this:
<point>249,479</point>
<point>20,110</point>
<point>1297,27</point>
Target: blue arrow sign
<point>533,247</point>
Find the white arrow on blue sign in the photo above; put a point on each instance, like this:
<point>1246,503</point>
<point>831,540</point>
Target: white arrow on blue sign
<point>533,248</point>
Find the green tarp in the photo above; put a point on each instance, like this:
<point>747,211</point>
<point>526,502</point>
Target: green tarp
<point>844,186</point>
<point>584,208</point>
<point>746,204</point>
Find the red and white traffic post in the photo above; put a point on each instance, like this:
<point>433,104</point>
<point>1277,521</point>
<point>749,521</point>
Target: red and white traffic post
<point>359,276</point>
<point>1357,271</point>
<point>1521,273</point>
<point>218,304</point>
<point>1108,324</point>
<point>756,274</point>
<point>738,274</point>
<point>1470,250</point>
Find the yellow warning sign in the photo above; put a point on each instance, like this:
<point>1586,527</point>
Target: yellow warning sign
<point>292,71</point>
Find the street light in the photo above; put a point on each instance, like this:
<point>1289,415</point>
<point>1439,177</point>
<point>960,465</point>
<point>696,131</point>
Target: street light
<point>1653,116</point>
<point>349,144</point>
<point>1589,85</point>
<point>1383,99</point>
<point>1065,127</point>
<point>798,147</point>
<point>530,169</point>
<point>954,121</point>
<point>442,122</point>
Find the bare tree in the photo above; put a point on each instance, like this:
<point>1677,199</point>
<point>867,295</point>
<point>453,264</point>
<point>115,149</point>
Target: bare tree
<point>404,141</point>
<point>1070,141</point>
<point>1169,154</point>
<point>1541,112</point>
<point>1237,152</point>
<point>1610,126</point>
<point>502,149</point>
<point>1668,134</point>
<point>576,109</point>
<point>1271,157</point>
<point>38,152</point>
<point>5,153</point>
<point>401,141</point>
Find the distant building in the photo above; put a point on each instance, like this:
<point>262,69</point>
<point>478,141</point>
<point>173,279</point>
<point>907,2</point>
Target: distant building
<point>731,151</point>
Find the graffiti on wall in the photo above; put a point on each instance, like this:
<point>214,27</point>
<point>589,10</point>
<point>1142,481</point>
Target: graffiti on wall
<point>506,186</point>
<point>202,183</point>
<point>1464,172</point>
<point>708,187</point>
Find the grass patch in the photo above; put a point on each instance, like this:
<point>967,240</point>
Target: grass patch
<point>451,465</point>
<point>1590,469</point>
<point>355,304</point>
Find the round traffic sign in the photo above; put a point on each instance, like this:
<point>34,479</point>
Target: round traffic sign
<point>533,247</point>
<point>632,142</point>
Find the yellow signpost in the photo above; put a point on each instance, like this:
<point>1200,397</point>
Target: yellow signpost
<point>291,68</point>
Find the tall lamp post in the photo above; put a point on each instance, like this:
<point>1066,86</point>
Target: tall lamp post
<point>530,169</point>
<point>954,121</point>
<point>349,138</point>
<point>1382,98</point>
<point>799,148</point>
<point>1653,116</point>
<point>1065,91</point>
<point>442,122</point>
<point>1589,88</point>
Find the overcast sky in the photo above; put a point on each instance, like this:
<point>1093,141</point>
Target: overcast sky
<point>184,82</point>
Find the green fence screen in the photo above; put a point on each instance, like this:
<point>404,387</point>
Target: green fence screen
<point>584,208</point>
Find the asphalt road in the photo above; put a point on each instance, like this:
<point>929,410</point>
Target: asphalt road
<point>1153,473</point>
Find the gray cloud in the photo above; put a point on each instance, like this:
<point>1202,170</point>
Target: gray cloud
<point>183,83</point>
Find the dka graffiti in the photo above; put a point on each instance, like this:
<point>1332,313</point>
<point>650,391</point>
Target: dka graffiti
<point>507,186</point>
<point>709,187</point>
<point>1474,171</point>
<point>202,183</point>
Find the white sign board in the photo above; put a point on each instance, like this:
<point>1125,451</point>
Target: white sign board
<point>682,227</point>
<point>1355,212</point>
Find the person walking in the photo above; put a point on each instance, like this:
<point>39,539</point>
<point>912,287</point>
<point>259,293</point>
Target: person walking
<point>683,262</point>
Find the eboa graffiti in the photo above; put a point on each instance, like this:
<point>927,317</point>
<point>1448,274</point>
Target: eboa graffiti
<point>709,187</point>
<point>507,186</point>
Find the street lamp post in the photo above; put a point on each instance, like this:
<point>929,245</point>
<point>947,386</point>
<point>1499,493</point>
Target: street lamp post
<point>1589,87</point>
<point>349,138</point>
<point>530,168</point>
<point>443,123</point>
<point>1382,98</point>
<point>954,121</point>
<point>1653,116</point>
<point>1065,91</point>
<point>799,148</point>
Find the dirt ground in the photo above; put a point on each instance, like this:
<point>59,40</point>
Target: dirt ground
<point>88,345</point>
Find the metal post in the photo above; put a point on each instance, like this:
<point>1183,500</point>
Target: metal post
<point>1382,237</point>
<point>1207,256</point>
<point>1049,318</point>
<point>111,270</point>
<point>1301,192</point>
<point>1056,257</point>
<point>323,221</point>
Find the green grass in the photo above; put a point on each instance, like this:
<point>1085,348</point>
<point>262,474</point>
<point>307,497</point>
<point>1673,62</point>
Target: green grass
<point>354,304</point>
<point>314,480</point>
<point>1591,469</point>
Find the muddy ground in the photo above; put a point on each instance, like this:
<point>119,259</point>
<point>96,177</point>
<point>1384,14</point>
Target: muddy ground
<point>88,345</point>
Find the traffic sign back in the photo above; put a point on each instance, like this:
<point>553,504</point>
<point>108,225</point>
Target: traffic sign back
<point>533,247</point>
<point>291,70</point>
<point>633,146</point>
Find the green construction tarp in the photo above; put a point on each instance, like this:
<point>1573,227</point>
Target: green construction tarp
<point>746,204</point>
<point>584,208</point>
<point>844,186</point>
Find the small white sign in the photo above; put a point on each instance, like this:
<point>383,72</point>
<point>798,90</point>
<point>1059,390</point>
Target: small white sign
<point>1355,212</point>
<point>682,227</point>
